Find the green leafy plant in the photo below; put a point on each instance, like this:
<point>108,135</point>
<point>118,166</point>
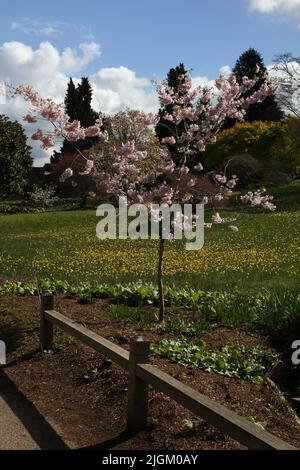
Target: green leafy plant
<point>94,374</point>
<point>123,312</point>
<point>61,344</point>
<point>192,424</point>
<point>260,425</point>
<point>185,327</point>
<point>241,363</point>
<point>270,309</point>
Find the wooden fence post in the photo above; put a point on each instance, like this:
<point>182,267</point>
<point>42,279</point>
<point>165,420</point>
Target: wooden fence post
<point>137,407</point>
<point>46,328</point>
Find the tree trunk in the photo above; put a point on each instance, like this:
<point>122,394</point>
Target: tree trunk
<point>160,279</point>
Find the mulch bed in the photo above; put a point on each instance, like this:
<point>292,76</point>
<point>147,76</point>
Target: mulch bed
<point>87,412</point>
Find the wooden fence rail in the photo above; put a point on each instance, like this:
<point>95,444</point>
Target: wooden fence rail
<point>142,374</point>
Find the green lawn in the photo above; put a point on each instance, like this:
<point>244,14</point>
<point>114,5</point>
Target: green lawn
<point>264,253</point>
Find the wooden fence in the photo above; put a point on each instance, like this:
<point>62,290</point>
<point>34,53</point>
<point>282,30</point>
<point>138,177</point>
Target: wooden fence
<point>142,374</point>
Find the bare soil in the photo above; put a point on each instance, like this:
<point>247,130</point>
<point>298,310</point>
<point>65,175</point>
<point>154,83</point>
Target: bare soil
<point>88,410</point>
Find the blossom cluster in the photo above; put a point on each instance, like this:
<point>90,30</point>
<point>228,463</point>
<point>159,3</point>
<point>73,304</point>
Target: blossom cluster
<point>201,112</point>
<point>259,198</point>
<point>62,128</point>
<point>195,116</point>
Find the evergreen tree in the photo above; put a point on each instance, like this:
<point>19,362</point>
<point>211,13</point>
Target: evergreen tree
<point>251,64</point>
<point>72,101</point>
<point>88,116</point>
<point>165,128</point>
<point>15,158</point>
<point>78,107</point>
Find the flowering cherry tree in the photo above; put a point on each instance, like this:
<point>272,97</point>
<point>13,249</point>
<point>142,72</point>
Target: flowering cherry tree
<point>195,117</point>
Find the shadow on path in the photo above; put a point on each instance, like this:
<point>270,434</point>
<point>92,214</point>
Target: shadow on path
<point>39,429</point>
<point>110,443</point>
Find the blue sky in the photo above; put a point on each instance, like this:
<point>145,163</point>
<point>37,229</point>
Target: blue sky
<point>123,45</point>
<point>151,36</point>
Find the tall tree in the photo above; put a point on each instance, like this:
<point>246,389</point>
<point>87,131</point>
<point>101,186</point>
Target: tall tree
<point>165,128</point>
<point>72,101</point>
<point>87,115</point>
<point>250,64</point>
<point>78,106</point>
<point>15,157</point>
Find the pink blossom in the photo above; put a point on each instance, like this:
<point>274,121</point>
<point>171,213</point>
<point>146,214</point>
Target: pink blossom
<point>68,173</point>
<point>37,135</point>
<point>30,118</point>
<point>269,206</point>
<point>186,84</point>
<point>201,145</point>
<point>206,97</point>
<point>147,179</point>
<point>92,131</point>
<point>54,113</point>
<point>146,119</point>
<point>50,111</point>
<point>89,165</point>
<point>169,168</point>
<point>188,113</point>
<point>198,167</point>
<point>217,219</point>
<point>169,117</point>
<point>221,179</point>
<point>231,184</point>
<point>165,93</point>
<point>184,170</point>
<point>73,131</point>
<point>191,183</point>
<point>169,140</point>
<point>47,142</point>
<point>246,198</point>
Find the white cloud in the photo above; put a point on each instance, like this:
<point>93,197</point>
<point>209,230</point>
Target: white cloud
<point>71,62</point>
<point>119,87</point>
<point>47,29</point>
<point>35,27</point>
<point>48,70</point>
<point>225,70</point>
<point>287,8</point>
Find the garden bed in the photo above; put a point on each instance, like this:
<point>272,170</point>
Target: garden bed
<point>86,403</point>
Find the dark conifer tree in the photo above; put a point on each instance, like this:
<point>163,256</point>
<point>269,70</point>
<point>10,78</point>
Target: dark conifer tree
<point>88,116</point>
<point>78,107</point>
<point>251,64</point>
<point>165,128</point>
<point>72,101</point>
